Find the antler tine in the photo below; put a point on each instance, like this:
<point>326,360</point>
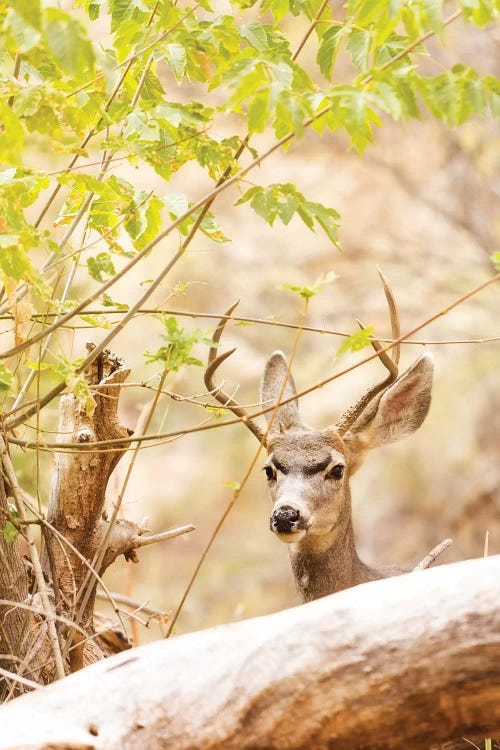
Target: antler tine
<point>213,363</point>
<point>354,413</point>
<point>394,314</point>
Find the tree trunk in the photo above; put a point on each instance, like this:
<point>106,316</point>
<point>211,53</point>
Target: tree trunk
<point>404,662</point>
<point>15,623</point>
<point>79,482</point>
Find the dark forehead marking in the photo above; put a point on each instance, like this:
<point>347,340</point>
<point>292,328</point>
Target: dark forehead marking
<point>281,467</point>
<point>307,469</point>
<point>317,467</point>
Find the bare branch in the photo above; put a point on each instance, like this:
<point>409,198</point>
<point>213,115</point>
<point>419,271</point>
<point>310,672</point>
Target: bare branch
<point>17,678</point>
<point>134,604</point>
<point>144,541</point>
<point>433,554</point>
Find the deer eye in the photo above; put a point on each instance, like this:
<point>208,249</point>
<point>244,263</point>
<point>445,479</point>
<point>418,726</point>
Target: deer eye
<point>337,472</point>
<point>269,472</point>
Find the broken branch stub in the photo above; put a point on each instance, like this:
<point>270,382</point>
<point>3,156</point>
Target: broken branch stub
<point>80,478</point>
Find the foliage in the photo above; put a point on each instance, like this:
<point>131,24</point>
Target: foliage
<point>357,341</point>
<point>177,351</point>
<point>76,97</point>
<point>308,292</point>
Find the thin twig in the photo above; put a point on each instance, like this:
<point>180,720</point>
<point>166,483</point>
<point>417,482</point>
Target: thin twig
<point>144,541</point>
<point>304,392</point>
<point>433,554</point>
<point>259,321</point>
<point>17,678</point>
<point>133,604</point>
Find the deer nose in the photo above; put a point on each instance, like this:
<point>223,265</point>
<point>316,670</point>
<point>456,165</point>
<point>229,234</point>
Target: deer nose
<point>285,519</point>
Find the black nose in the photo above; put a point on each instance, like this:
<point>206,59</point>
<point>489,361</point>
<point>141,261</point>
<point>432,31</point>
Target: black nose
<point>284,519</point>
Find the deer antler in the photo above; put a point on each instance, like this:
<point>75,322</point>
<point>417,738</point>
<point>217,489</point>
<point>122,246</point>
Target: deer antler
<point>213,364</point>
<point>354,413</point>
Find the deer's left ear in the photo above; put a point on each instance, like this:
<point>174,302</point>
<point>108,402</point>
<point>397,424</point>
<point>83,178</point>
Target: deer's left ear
<point>404,406</point>
<point>275,374</point>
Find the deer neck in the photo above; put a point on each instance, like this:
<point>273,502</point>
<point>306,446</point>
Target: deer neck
<point>328,563</point>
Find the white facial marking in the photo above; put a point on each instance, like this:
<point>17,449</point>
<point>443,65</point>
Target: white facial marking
<point>292,538</point>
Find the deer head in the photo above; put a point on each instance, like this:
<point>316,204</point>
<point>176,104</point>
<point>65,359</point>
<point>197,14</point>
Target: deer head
<point>308,470</point>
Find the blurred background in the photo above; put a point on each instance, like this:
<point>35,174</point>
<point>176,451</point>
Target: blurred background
<point>422,203</point>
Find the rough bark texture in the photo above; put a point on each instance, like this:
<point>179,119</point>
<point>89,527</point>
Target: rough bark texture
<point>405,662</point>
<point>79,479</point>
<point>14,622</point>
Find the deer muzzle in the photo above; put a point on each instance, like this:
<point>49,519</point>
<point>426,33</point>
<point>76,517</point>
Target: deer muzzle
<point>287,523</point>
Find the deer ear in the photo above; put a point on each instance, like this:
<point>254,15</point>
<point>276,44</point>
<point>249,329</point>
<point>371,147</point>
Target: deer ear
<point>404,406</point>
<point>286,416</point>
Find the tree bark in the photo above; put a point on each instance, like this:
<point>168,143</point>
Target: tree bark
<point>80,478</point>
<point>15,623</point>
<point>404,662</point>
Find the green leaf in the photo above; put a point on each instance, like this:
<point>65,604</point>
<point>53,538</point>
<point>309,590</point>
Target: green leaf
<point>106,301</point>
<point>455,95</point>
<point>480,12</point>
<point>26,35</point>
<point>30,11</point>
<point>145,219</point>
<point>432,15</point>
<point>9,532</point>
<point>81,389</point>
<point>255,34</point>
<point>101,266</point>
<point>351,109</point>
<point>175,54</point>
<point>6,378</point>
<point>258,112</point>
<point>307,292</point>
<point>357,341</point>
<point>178,350</point>
<point>358,45</point>
<point>492,91</point>
<point>210,228</point>
<point>14,262</point>
<point>68,42</point>
<point>327,218</point>
<point>177,204</point>
<point>11,135</point>
<point>329,48</point>
<point>283,201</point>
<point>38,366</point>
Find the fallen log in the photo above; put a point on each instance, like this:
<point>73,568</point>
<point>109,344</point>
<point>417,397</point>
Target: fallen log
<point>404,662</point>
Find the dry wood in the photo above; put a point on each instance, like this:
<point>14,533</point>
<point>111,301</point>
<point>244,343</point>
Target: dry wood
<point>79,480</point>
<point>404,662</point>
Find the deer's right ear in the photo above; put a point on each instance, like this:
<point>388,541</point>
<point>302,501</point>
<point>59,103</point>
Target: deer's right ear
<point>286,416</point>
<point>403,407</point>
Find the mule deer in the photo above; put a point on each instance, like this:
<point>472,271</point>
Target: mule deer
<point>308,470</point>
